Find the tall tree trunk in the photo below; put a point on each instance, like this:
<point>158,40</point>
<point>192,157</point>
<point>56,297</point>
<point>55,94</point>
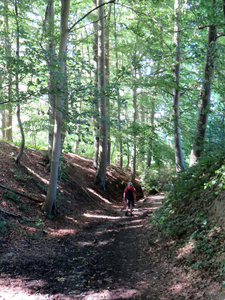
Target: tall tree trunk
<point>77,142</point>
<point>2,113</point>
<point>22,144</point>
<point>143,122</point>
<point>151,125</point>
<point>96,98</point>
<point>107,80</point>
<point>118,99</point>
<point>134,145</point>
<point>205,97</point>
<point>176,94</point>
<point>8,111</point>
<point>127,138</point>
<point>49,15</point>
<point>65,105</point>
<point>49,205</point>
<point>101,171</point>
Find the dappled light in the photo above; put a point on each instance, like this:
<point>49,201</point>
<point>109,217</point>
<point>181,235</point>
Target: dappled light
<point>61,232</point>
<point>89,215</point>
<point>99,196</point>
<point>85,168</point>
<point>120,293</point>
<point>186,249</point>
<point>37,175</point>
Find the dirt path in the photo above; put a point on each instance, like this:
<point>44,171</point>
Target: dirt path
<point>105,260</point>
<point>117,257</point>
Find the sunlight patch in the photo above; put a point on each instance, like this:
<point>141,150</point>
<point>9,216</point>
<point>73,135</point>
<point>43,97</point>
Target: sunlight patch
<point>113,294</point>
<point>96,194</point>
<point>100,216</point>
<point>62,232</point>
<point>186,250</point>
<point>72,219</point>
<point>36,174</point>
<point>83,168</point>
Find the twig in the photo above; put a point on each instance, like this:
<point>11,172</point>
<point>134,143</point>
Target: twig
<point>19,193</point>
<point>97,7</point>
<point>9,213</point>
<point>28,157</point>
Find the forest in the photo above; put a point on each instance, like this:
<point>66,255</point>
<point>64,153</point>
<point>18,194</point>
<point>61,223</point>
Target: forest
<point>134,86</point>
<point>135,83</point>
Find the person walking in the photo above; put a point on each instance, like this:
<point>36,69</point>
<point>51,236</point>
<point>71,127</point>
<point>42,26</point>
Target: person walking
<point>129,196</point>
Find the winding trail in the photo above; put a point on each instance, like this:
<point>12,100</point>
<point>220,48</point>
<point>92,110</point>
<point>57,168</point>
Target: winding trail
<point>105,260</point>
<point>114,257</point>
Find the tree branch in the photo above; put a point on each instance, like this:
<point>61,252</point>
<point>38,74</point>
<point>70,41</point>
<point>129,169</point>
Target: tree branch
<point>97,7</point>
<point>18,193</point>
<point>216,25</point>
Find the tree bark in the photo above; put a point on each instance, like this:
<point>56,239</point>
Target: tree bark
<point>118,99</point>
<point>134,142</point>
<point>151,125</point>
<point>51,73</point>
<point>8,111</point>
<point>205,97</point>
<point>107,80</point>
<point>96,100</point>
<point>179,161</point>
<point>22,144</point>
<point>77,142</point>
<point>49,205</point>
<point>101,171</point>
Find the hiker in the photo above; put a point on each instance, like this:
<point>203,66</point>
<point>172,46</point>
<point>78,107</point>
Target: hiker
<point>129,196</point>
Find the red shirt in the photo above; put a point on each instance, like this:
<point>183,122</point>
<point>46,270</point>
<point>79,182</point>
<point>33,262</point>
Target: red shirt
<point>132,189</point>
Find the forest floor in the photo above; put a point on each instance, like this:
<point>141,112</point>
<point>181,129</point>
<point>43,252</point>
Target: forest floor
<point>90,249</point>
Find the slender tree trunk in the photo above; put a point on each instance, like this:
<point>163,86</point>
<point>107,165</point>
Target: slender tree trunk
<point>8,111</point>
<point>143,122</point>
<point>65,105</point>
<point>2,113</point>
<point>19,156</point>
<point>127,137</point>
<point>151,125</point>
<point>107,80</point>
<point>118,99</point>
<point>96,98</point>
<point>134,145</point>
<point>205,97</point>
<point>51,73</point>
<point>101,171</point>
<point>176,94</point>
<point>77,142</point>
<point>49,205</point>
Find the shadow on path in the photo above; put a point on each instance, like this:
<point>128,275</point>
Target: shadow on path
<point>105,260</point>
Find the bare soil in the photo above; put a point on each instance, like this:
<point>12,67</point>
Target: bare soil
<point>90,249</point>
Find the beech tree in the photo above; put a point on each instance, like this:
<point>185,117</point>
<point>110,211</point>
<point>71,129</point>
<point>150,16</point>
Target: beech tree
<point>102,162</point>
<point>49,205</point>
<point>205,95</point>
<point>176,94</point>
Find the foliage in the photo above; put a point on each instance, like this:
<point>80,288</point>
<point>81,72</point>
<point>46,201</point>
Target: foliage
<point>184,215</point>
<point>3,226</point>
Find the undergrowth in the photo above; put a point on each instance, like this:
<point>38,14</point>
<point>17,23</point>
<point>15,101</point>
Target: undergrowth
<point>184,216</point>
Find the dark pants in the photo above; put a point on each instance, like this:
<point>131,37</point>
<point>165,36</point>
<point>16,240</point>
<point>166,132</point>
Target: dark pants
<point>130,203</point>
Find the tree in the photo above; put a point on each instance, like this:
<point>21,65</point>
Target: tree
<point>49,205</point>
<point>7,115</point>
<point>19,156</point>
<point>176,94</point>
<point>51,60</point>
<point>102,164</point>
<point>205,95</point>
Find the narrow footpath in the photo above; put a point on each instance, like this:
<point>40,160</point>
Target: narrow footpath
<point>117,257</point>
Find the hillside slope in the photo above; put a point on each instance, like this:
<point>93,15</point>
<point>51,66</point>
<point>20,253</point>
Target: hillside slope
<point>90,249</point>
<point>77,192</point>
